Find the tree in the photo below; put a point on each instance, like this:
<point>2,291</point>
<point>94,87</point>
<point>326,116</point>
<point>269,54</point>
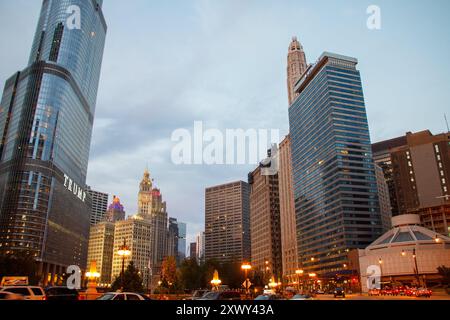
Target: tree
<point>132,280</point>
<point>24,266</point>
<point>191,275</point>
<point>169,277</point>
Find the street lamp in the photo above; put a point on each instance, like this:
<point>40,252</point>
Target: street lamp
<point>380,262</point>
<point>416,268</point>
<point>124,252</point>
<point>246,267</point>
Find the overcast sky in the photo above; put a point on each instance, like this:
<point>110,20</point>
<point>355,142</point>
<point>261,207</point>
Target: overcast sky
<point>169,63</point>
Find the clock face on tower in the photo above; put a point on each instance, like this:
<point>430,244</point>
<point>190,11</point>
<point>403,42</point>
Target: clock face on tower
<point>145,197</point>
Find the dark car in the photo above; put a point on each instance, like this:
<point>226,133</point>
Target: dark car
<point>339,292</point>
<point>223,295</point>
<point>267,297</point>
<point>61,294</point>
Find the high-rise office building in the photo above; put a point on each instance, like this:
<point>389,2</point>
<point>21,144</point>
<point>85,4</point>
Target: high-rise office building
<point>172,239</point>
<point>382,157</point>
<point>46,119</point>
<point>287,212</point>
<point>335,187</point>
<point>383,199</point>
<point>296,67</point>
<point>115,211</point>
<point>136,232</point>
<point>200,241</point>
<point>265,230</point>
<point>182,234</point>
<point>99,205</point>
<point>193,251</point>
<point>227,222</point>
<point>101,245</point>
<point>422,171</point>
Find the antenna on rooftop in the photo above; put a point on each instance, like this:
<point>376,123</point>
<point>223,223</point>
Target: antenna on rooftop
<point>446,122</point>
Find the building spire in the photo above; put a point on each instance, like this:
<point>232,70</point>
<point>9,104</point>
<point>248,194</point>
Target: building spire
<point>296,67</point>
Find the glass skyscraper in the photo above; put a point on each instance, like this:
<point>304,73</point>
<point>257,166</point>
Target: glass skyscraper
<point>336,201</point>
<point>46,118</point>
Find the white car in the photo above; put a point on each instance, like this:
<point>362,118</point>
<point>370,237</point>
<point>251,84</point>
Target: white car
<point>121,296</point>
<point>27,292</point>
<point>302,297</point>
<point>4,295</point>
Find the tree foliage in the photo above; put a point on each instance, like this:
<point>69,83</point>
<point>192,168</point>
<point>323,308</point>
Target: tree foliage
<point>132,280</point>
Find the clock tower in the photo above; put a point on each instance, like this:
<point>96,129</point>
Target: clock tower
<point>145,195</point>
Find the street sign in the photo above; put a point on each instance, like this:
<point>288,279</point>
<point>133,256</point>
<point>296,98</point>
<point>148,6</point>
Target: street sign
<point>247,284</point>
<point>14,281</point>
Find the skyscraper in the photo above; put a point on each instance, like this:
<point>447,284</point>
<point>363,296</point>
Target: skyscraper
<point>101,245</point>
<point>172,239</point>
<point>422,171</point>
<point>99,205</point>
<point>296,67</point>
<point>334,180</point>
<point>137,233</point>
<point>287,212</point>
<point>265,231</point>
<point>46,119</point>
<point>152,208</point>
<point>382,157</point>
<point>227,222</point>
<point>182,234</point>
<point>115,211</point>
<point>200,241</point>
<point>384,199</point>
<point>193,251</point>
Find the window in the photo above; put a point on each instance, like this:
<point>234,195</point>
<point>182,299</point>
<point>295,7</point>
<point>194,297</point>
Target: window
<point>21,291</point>
<point>132,297</point>
<point>436,147</point>
<point>37,291</point>
<point>119,297</point>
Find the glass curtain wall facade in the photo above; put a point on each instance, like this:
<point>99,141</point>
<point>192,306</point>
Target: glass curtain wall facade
<point>46,119</point>
<point>335,188</point>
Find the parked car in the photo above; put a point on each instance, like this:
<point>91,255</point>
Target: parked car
<point>302,297</point>
<point>197,294</point>
<point>339,292</point>
<point>386,292</point>
<point>320,292</point>
<point>28,292</point>
<point>122,296</point>
<point>267,297</point>
<point>411,292</point>
<point>61,294</point>
<point>374,292</point>
<point>424,292</point>
<point>221,295</point>
<point>5,295</point>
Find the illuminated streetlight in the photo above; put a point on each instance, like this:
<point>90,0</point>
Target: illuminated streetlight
<point>124,251</point>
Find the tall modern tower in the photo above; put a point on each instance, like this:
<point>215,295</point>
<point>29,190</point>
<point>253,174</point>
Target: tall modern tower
<point>46,118</point>
<point>227,222</point>
<point>295,68</point>
<point>335,187</point>
<point>99,205</point>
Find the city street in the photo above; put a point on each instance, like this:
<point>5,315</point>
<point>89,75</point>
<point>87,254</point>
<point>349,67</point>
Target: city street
<point>437,296</point>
